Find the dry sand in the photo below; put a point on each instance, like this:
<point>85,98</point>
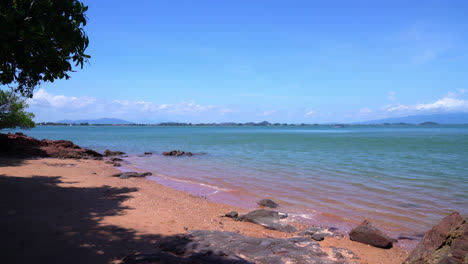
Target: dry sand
<point>72,211</point>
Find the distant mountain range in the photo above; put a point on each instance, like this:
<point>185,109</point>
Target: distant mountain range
<point>451,118</point>
<point>103,121</point>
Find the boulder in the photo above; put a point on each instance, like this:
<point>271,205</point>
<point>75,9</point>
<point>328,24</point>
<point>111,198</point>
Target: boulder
<point>109,153</point>
<point>148,153</point>
<point>367,233</point>
<point>268,219</point>
<point>446,242</point>
<point>267,203</point>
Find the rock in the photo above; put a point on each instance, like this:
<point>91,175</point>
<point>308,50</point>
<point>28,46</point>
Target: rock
<point>109,153</point>
<point>202,246</point>
<point>117,165</point>
<point>124,176</point>
<point>132,174</point>
<point>317,237</point>
<point>319,233</point>
<point>367,233</point>
<point>268,219</point>
<point>22,145</point>
<point>267,203</point>
<point>446,242</point>
<point>232,214</point>
<point>116,159</point>
<point>148,153</point>
<point>177,153</point>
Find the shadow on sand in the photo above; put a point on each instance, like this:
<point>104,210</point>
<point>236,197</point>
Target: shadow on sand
<point>42,222</point>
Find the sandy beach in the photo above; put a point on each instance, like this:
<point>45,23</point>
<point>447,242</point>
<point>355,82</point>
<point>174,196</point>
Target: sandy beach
<point>73,211</point>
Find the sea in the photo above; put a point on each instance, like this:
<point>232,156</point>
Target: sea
<point>402,178</point>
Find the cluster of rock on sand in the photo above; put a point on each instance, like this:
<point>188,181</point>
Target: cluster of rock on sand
<point>445,243</point>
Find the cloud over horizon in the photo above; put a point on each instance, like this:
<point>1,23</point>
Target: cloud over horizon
<point>50,107</point>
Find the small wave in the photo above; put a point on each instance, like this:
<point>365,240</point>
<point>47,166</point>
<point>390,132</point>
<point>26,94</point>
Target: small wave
<point>194,183</point>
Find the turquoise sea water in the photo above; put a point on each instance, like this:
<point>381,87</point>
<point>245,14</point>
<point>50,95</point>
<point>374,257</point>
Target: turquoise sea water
<point>404,177</point>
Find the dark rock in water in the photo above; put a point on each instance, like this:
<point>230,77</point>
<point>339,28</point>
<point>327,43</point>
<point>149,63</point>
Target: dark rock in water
<point>367,233</point>
<point>268,219</point>
<point>124,176</point>
<point>403,237</point>
<point>148,153</point>
<point>108,153</point>
<point>117,165</point>
<point>267,203</point>
<point>116,159</point>
<point>177,153</point>
<point>201,246</point>
<point>446,242</point>
<point>232,214</point>
<point>132,174</point>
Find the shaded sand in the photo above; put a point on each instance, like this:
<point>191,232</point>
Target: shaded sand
<point>72,211</point>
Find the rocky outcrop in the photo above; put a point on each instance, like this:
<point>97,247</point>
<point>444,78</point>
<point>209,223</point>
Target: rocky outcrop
<point>446,242</point>
<point>202,246</point>
<point>268,219</point>
<point>267,203</point>
<point>369,234</point>
<point>22,145</point>
<point>177,153</point>
<point>132,174</point>
<point>109,153</point>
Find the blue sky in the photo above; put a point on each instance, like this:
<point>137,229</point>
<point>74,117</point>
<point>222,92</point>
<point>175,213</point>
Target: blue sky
<point>281,61</point>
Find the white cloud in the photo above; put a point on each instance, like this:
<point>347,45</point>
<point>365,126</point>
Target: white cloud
<point>391,96</point>
<point>446,104</point>
<point>395,108</point>
<point>461,91</point>
<point>450,102</point>
<point>51,107</point>
<point>44,99</point>
<point>313,113</point>
<point>365,110</point>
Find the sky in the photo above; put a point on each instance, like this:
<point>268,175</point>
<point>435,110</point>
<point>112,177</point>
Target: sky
<point>252,60</point>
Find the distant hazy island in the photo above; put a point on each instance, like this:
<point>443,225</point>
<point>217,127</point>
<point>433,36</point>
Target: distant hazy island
<point>264,123</point>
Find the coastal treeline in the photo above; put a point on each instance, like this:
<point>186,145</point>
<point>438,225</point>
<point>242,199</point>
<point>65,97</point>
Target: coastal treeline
<point>229,124</point>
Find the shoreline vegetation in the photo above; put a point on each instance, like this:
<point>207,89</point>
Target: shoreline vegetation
<point>232,124</point>
<point>63,204</point>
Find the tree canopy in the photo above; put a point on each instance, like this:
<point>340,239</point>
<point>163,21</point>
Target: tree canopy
<point>38,41</point>
<point>12,112</point>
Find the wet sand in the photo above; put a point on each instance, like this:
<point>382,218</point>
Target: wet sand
<point>73,211</point>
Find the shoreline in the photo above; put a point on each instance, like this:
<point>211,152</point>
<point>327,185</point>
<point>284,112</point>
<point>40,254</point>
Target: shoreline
<point>152,208</point>
<point>247,201</point>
